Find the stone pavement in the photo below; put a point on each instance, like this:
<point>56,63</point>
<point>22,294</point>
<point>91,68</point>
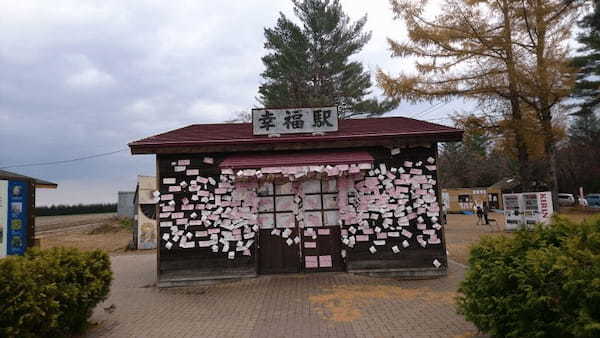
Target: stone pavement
<point>298,305</point>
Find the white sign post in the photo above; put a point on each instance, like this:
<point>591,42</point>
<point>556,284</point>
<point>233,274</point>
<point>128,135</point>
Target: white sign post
<point>294,120</point>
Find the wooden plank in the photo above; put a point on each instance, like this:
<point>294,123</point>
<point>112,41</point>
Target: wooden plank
<point>201,261</point>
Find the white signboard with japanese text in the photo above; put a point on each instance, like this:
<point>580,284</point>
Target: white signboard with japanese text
<point>294,120</point>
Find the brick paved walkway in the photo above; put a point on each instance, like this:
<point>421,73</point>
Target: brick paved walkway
<point>329,304</point>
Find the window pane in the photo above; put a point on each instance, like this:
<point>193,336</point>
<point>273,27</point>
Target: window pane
<point>285,203</point>
<point>311,186</point>
<point>283,189</point>
<point>285,220</point>
<point>265,204</point>
<point>266,221</point>
<point>265,189</point>
<point>330,185</point>
<point>313,219</point>
<point>331,218</point>
<point>311,202</point>
<point>330,202</point>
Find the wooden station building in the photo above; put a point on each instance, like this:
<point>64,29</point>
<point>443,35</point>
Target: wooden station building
<point>298,191</point>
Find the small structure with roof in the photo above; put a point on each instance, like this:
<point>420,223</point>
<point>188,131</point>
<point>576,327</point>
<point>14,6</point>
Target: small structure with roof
<point>457,200</point>
<point>17,211</point>
<point>237,200</point>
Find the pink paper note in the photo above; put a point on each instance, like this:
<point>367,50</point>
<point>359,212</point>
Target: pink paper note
<point>311,262</point>
<point>323,232</point>
<point>310,245</point>
<point>175,188</point>
<point>325,261</point>
<point>362,238</point>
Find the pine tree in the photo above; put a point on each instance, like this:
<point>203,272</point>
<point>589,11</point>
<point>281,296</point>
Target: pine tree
<point>585,131</point>
<point>587,87</point>
<point>310,65</point>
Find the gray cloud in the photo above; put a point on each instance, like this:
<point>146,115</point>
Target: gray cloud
<point>86,77</point>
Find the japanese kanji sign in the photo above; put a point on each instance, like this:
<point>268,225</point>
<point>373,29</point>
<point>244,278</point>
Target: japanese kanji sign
<point>294,120</point>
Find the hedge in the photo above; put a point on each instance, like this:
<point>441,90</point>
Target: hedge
<point>540,283</point>
<point>51,293</point>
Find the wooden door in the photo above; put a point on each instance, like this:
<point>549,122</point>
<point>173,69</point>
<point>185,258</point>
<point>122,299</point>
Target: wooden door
<point>321,238</point>
<point>279,238</point>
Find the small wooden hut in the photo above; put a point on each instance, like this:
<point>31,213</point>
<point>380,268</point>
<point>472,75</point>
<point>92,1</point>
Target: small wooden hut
<point>358,195</point>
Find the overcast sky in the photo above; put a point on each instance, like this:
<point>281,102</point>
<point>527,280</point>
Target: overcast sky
<point>82,77</point>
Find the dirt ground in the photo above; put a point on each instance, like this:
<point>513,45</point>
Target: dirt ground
<point>462,231</point>
<point>84,232</point>
<point>107,232</point>
<point>44,223</point>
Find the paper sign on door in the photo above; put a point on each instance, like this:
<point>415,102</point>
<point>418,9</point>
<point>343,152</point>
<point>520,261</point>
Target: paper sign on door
<point>325,261</point>
<point>311,262</point>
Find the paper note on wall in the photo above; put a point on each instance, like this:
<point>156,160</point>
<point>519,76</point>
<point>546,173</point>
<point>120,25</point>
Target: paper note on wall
<point>310,245</point>
<point>325,261</point>
<point>323,232</point>
<point>311,262</point>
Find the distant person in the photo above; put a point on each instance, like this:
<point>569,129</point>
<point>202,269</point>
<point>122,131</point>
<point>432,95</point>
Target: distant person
<point>479,213</point>
<point>485,211</point>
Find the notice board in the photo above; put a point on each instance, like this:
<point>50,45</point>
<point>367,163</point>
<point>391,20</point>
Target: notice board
<point>14,217</point>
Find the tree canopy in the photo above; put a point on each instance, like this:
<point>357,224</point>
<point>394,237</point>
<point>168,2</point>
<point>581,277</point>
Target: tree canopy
<point>513,52</point>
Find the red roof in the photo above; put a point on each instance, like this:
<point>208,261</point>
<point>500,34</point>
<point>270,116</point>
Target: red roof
<point>263,160</point>
<point>350,129</point>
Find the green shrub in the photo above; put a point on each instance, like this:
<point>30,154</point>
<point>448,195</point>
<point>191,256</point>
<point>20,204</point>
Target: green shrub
<point>126,223</point>
<point>541,283</point>
<point>51,292</point>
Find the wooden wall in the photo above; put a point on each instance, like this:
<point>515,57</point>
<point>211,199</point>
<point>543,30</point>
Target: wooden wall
<point>199,260</point>
<point>414,256</point>
<point>359,258</point>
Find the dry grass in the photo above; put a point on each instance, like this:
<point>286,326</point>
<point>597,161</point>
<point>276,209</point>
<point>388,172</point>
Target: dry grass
<point>109,236</point>
<point>113,242</point>
<point>578,214</point>
<point>43,223</point>
<point>343,303</point>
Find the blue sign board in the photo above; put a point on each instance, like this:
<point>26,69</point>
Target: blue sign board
<point>17,221</point>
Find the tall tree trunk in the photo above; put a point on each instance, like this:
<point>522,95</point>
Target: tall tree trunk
<point>550,154</point>
<point>515,103</point>
<point>543,101</point>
